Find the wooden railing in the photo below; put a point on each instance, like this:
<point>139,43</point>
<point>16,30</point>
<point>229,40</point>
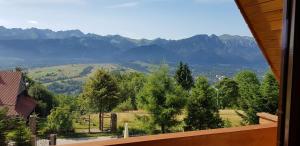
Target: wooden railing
<point>255,135</point>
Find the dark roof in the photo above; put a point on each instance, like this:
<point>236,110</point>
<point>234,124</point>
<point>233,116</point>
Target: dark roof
<point>11,97</point>
<point>25,105</point>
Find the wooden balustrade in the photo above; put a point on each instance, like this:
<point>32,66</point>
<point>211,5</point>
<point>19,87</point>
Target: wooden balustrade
<point>255,135</point>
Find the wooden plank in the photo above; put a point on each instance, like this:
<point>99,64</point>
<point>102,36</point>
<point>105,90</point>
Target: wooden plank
<point>272,44</point>
<point>267,16</point>
<point>264,19</point>
<point>264,7</point>
<point>246,3</point>
<point>276,25</point>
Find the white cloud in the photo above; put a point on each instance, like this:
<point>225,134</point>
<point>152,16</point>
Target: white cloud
<point>124,5</point>
<point>32,22</point>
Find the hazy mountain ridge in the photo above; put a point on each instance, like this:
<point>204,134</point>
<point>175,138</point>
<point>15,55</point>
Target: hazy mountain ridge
<point>37,46</point>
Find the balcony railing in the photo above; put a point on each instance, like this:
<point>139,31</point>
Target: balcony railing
<point>263,134</point>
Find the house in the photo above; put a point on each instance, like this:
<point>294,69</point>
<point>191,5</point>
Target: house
<point>13,94</point>
<point>275,26</point>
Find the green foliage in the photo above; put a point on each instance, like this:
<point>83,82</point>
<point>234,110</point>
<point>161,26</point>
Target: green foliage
<point>60,120</point>
<point>65,100</point>
<point>44,98</point>
<point>129,85</point>
<point>250,100</point>
<point>101,90</point>
<point>20,134</point>
<point>184,76</point>
<point>162,98</point>
<point>270,93</point>
<point>227,123</point>
<point>227,93</point>
<point>202,110</point>
<point>124,106</point>
<point>146,123</point>
<point>3,125</point>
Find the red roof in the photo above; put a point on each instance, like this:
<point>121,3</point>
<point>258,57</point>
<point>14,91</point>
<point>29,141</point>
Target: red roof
<point>10,84</point>
<point>9,87</point>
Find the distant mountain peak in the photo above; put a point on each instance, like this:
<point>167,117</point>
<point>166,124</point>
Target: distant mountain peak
<point>35,45</point>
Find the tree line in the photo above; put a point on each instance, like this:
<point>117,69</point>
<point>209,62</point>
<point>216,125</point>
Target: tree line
<point>163,96</point>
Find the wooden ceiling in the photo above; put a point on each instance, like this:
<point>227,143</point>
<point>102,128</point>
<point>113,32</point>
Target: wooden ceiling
<point>264,18</point>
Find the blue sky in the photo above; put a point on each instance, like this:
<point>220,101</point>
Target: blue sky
<point>170,19</point>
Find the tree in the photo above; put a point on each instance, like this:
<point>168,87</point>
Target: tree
<point>270,93</point>
<point>250,100</point>
<point>29,82</point>
<point>202,111</point>
<point>20,134</point>
<point>184,76</point>
<point>60,120</point>
<point>130,83</point>
<point>102,92</point>
<point>3,125</point>
<point>162,98</point>
<point>227,92</point>
<point>45,99</point>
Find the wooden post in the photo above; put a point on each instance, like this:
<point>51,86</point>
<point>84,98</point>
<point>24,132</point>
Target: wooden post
<point>113,122</point>
<point>89,123</point>
<point>32,124</point>
<point>33,140</point>
<point>52,139</point>
<point>102,121</point>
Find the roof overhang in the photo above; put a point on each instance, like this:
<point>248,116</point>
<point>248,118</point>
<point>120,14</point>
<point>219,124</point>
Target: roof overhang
<point>265,19</point>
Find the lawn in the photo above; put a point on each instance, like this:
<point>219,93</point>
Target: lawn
<point>130,118</point>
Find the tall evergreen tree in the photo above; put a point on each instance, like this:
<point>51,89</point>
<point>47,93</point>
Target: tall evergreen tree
<point>162,98</point>
<point>227,92</point>
<point>102,92</point>
<point>202,110</point>
<point>270,93</point>
<point>20,133</point>
<point>250,100</point>
<point>3,125</point>
<point>129,85</point>
<point>184,76</point>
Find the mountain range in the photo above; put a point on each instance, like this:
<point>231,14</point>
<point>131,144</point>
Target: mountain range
<point>42,47</point>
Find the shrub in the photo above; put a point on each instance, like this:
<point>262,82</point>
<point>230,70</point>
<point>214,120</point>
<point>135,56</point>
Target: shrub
<point>60,120</point>
<point>124,106</point>
<point>20,135</point>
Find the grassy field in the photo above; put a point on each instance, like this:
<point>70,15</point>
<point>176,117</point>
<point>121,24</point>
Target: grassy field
<point>130,118</point>
<point>68,79</point>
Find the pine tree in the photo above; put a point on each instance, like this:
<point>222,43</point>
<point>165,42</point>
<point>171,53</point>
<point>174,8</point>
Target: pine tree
<point>20,133</point>
<point>202,111</point>
<point>102,92</point>
<point>250,100</point>
<point>162,98</point>
<point>3,125</point>
<point>227,92</point>
<point>184,76</point>
<point>270,93</point>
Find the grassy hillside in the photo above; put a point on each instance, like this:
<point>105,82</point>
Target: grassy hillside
<point>68,79</point>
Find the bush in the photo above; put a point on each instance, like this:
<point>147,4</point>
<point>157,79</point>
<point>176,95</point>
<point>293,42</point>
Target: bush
<point>20,135</point>
<point>124,106</point>
<point>3,125</point>
<point>60,120</point>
